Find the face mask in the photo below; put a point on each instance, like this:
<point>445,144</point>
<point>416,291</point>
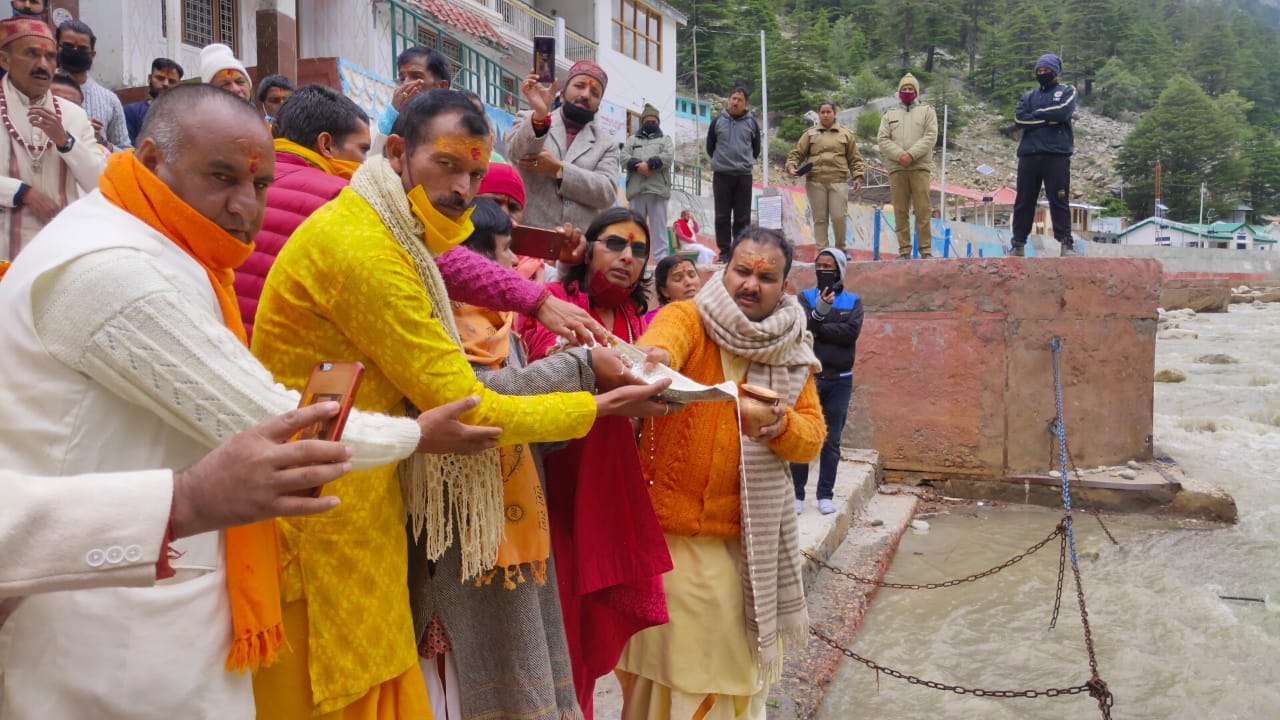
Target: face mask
<point>74,60</point>
<point>26,13</point>
<point>576,114</point>
<point>907,97</point>
<point>605,294</point>
<point>649,127</point>
<point>1046,80</point>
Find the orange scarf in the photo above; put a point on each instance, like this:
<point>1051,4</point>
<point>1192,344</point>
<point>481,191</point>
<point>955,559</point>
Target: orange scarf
<point>253,582</point>
<point>526,537</point>
<point>333,166</point>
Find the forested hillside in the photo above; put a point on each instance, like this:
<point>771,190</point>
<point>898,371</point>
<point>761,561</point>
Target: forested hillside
<point>1202,78</point>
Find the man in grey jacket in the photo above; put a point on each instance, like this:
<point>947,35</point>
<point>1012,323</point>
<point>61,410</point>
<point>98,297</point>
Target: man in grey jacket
<point>733,144</point>
<point>647,157</point>
<point>569,163</point>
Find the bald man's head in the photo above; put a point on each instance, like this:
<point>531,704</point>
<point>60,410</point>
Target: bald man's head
<point>214,152</point>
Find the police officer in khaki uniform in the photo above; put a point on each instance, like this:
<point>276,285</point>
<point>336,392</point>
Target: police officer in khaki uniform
<point>907,134</point>
<point>834,153</point>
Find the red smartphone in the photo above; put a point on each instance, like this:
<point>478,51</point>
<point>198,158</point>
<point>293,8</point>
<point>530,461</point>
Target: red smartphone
<point>544,59</point>
<point>536,242</point>
<point>335,381</point>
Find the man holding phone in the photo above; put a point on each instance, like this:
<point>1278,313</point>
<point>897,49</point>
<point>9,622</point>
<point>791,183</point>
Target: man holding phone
<point>835,319</point>
<point>568,162</point>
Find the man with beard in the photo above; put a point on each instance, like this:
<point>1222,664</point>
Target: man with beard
<point>50,144</point>
<point>77,46</point>
<point>568,162</point>
<point>165,74</point>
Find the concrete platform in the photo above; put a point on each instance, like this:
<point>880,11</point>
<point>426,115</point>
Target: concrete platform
<point>822,536</point>
<point>1157,488</point>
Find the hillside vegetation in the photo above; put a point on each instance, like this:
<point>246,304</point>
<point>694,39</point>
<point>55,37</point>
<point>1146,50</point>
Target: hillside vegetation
<point>1201,80</point>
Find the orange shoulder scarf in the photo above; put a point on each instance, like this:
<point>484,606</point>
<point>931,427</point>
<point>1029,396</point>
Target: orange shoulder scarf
<point>252,556</point>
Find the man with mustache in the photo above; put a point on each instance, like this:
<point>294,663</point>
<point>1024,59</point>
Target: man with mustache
<point>165,74</point>
<point>568,162</point>
<point>723,495</point>
<point>49,151</point>
<point>124,350</point>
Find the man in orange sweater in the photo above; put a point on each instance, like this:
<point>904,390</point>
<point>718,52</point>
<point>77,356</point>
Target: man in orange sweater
<point>724,498</point>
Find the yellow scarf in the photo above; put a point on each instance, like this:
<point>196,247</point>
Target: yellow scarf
<point>526,538</point>
<point>253,582</point>
<point>333,166</point>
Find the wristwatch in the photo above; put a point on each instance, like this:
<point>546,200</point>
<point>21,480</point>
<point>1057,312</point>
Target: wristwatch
<point>71,142</point>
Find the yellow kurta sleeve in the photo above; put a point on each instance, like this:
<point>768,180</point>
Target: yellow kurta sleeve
<point>384,310</point>
<point>802,438</point>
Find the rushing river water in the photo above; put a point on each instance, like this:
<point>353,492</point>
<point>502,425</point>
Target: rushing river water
<point>1167,645</point>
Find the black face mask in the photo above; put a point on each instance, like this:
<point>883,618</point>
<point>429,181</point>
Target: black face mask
<point>577,114</point>
<point>74,60</point>
<point>649,127</point>
<point>1046,80</point>
<point>27,13</point>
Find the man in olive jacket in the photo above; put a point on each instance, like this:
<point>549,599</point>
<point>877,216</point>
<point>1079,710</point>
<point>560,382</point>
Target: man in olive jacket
<point>908,132</point>
<point>647,157</point>
<point>833,152</point>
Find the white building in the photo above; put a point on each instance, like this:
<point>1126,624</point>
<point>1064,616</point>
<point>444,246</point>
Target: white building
<point>1222,235</point>
<point>353,43</point>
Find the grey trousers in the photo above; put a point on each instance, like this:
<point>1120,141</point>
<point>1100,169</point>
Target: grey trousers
<point>654,208</point>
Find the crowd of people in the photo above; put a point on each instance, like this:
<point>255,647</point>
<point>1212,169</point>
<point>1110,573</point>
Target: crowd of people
<point>512,511</point>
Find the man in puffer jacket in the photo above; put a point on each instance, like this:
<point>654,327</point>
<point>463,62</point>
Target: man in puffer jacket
<point>907,134</point>
<point>646,157</point>
<point>835,320</point>
<point>1044,155</point>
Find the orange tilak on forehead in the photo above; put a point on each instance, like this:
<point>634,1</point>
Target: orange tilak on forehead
<point>473,148</point>
<point>759,262</point>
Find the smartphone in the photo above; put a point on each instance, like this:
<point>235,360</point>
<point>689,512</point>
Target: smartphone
<point>826,279</point>
<point>544,59</point>
<point>536,242</point>
<point>335,381</point>
<point>804,169</point>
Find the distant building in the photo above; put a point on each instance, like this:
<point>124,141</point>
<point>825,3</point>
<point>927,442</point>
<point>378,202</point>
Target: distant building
<point>691,119</point>
<point>352,44</point>
<point>1221,235</point>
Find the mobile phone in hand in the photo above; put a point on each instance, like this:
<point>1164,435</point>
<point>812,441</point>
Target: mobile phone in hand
<point>536,242</point>
<point>335,381</point>
<point>544,59</point>
<point>804,169</point>
<point>826,280</point>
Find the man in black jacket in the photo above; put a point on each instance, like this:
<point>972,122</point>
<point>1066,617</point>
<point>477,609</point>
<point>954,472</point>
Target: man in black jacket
<point>835,319</point>
<point>1044,155</point>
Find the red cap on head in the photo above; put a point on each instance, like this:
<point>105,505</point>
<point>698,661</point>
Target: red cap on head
<point>591,69</point>
<point>503,179</point>
<point>19,27</point>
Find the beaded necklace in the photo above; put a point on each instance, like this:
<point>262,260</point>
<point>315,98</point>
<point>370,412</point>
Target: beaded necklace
<point>34,152</point>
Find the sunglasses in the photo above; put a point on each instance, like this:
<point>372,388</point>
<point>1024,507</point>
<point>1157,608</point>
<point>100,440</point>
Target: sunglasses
<point>617,243</point>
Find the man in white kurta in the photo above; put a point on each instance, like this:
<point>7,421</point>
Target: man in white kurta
<point>117,358</point>
<point>48,154</point>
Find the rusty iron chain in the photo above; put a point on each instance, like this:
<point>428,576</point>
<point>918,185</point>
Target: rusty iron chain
<point>1079,480</point>
<point>957,689</point>
<point>945,584</point>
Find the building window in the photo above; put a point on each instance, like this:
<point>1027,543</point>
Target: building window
<point>637,32</point>
<point>633,122</point>
<point>205,22</point>
<point>428,37</point>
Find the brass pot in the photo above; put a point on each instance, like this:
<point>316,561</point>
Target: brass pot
<point>755,408</point>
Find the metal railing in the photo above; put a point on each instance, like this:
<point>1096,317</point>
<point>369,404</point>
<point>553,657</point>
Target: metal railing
<point>472,70</point>
<point>686,178</point>
<point>524,21</point>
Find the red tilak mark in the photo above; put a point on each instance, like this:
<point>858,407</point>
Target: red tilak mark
<point>475,153</point>
<point>253,166</point>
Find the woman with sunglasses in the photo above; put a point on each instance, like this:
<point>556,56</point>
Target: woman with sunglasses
<point>608,548</point>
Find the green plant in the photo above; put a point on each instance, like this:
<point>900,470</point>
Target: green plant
<point>867,125</point>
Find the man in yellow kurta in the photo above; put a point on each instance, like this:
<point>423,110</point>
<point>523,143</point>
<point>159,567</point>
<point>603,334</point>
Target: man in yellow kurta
<point>357,281</point>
